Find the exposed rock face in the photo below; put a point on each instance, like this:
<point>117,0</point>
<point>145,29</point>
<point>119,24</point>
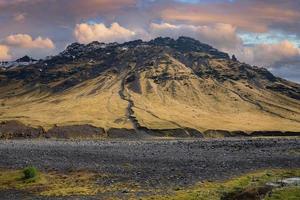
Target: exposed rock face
<point>274,133</point>
<point>75,131</point>
<point>15,129</point>
<point>179,133</point>
<point>122,133</point>
<point>223,133</point>
<point>26,59</point>
<point>164,84</point>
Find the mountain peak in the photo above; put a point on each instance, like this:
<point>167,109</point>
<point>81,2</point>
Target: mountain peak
<point>74,45</point>
<point>26,59</point>
<point>186,39</point>
<point>162,41</point>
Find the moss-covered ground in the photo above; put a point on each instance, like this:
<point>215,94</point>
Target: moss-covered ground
<point>85,183</point>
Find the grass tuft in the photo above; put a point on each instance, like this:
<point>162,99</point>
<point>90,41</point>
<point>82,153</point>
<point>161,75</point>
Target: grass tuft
<point>30,173</point>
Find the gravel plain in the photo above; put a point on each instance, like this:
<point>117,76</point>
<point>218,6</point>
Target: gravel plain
<point>153,163</point>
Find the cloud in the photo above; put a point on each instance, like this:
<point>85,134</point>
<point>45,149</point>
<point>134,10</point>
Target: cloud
<point>269,55</point>
<point>250,15</point>
<point>4,53</point>
<point>279,57</point>
<point>26,41</point>
<point>91,7</point>
<point>9,2</point>
<point>65,9</point>
<point>222,36</point>
<point>225,37</point>
<point>289,69</point>
<point>219,23</point>
<point>86,33</point>
<point>19,17</point>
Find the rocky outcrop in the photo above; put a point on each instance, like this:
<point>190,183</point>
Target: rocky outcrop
<point>224,133</point>
<point>18,130</point>
<point>217,133</point>
<point>122,133</point>
<point>15,129</point>
<point>274,133</point>
<point>75,131</point>
<point>177,133</point>
<point>292,92</point>
<point>26,59</point>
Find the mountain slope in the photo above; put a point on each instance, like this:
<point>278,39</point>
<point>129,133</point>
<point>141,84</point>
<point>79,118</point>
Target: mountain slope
<point>160,84</point>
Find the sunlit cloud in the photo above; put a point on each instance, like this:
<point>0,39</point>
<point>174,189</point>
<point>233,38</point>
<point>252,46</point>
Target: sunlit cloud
<point>255,16</point>
<point>26,41</point>
<point>269,54</point>
<point>4,52</point>
<point>222,36</point>
<point>19,17</point>
<point>86,33</point>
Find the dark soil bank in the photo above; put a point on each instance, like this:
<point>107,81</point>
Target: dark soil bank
<point>155,164</point>
<point>17,130</point>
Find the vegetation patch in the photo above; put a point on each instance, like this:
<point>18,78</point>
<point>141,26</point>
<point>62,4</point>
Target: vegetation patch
<point>30,173</point>
<point>77,183</point>
<point>289,193</point>
<point>251,186</point>
<point>48,184</point>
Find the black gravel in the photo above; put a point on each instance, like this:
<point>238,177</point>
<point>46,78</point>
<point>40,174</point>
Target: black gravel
<point>154,164</point>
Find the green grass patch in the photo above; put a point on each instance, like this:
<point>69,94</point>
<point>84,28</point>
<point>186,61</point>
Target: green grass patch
<point>218,190</point>
<point>290,193</point>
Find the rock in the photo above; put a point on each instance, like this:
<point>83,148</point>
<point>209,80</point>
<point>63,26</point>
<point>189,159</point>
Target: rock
<point>179,132</point>
<point>16,129</point>
<point>217,133</point>
<point>233,58</point>
<point>75,131</point>
<point>274,133</point>
<point>121,133</point>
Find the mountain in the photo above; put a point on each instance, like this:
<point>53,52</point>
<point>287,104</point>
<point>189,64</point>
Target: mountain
<point>138,86</point>
<point>24,61</point>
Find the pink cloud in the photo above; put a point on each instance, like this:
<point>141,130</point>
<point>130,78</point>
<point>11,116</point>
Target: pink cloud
<point>26,41</point>
<point>86,33</point>
<point>4,52</point>
<point>222,36</point>
<point>19,17</point>
<point>268,54</point>
<point>256,16</point>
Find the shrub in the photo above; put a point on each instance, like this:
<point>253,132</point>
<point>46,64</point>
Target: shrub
<point>30,173</point>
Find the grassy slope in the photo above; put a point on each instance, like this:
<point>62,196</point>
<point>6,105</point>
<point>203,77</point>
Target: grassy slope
<point>205,104</point>
<point>83,104</point>
<point>189,102</point>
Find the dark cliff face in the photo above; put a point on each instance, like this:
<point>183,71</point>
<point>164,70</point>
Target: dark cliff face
<point>81,62</point>
<point>26,59</point>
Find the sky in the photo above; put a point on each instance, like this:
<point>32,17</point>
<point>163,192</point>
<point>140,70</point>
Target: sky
<point>264,33</point>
